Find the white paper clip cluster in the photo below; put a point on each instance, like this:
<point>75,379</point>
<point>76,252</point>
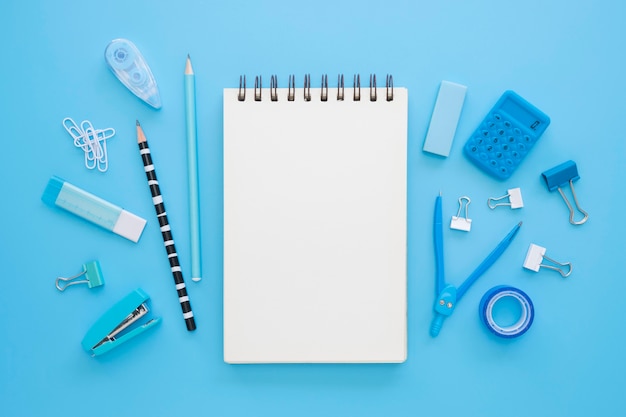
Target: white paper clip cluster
<point>91,141</point>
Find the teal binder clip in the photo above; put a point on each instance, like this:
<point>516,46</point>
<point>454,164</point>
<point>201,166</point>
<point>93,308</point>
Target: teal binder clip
<point>119,324</point>
<point>91,272</point>
<point>560,176</point>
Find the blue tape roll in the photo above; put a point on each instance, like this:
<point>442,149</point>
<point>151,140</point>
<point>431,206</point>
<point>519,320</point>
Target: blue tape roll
<point>491,297</point>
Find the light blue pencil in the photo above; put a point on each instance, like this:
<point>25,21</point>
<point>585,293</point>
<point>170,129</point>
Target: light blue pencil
<point>192,171</point>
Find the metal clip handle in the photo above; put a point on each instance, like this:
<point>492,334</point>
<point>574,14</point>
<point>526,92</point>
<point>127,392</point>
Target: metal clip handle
<point>572,213</point>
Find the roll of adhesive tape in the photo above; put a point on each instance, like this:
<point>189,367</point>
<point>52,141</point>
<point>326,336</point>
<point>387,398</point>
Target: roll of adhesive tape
<point>491,297</point>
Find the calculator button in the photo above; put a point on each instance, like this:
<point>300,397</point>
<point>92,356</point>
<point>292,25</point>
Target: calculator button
<point>500,142</point>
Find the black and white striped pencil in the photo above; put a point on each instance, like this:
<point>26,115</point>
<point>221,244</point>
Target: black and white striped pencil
<point>166,231</point>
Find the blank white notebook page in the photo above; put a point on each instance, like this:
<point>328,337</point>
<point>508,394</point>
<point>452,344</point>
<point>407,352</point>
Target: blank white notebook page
<point>315,228</point>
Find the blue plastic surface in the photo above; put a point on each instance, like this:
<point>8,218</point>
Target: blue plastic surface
<point>506,135</point>
<point>111,319</point>
<point>52,190</point>
<point>560,175</point>
<point>515,330</point>
<point>561,55</point>
<point>130,67</point>
<point>93,274</point>
<point>60,193</point>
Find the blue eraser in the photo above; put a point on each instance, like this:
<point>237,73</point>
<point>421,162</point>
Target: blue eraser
<point>445,118</point>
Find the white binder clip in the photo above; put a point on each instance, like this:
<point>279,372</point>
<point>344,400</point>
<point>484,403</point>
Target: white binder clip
<point>515,199</point>
<point>535,257</point>
<point>462,223</point>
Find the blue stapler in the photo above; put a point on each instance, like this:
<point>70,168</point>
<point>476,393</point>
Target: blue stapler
<point>119,324</point>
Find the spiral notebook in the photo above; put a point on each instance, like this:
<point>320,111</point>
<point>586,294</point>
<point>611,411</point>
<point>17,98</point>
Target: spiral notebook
<point>315,183</point>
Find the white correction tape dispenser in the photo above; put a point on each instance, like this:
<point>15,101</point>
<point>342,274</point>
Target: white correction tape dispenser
<point>129,66</point>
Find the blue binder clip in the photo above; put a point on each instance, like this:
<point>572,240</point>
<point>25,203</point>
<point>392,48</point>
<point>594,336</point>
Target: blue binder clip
<point>119,324</point>
<point>558,177</point>
<point>91,272</point>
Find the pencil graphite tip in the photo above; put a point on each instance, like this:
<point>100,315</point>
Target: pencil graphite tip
<point>141,137</point>
<point>188,67</point>
<point>137,123</point>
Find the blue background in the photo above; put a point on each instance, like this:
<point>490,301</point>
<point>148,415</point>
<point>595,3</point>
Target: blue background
<point>565,57</point>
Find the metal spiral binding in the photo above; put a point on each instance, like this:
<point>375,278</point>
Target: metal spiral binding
<point>340,89</point>
<point>373,93</point>
<point>291,94</point>
<point>242,88</point>
<point>257,88</point>
<point>389,87</point>
<point>324,92</point>
<point>274,88</point>
<point>291,89</point>
<point>307,87</point>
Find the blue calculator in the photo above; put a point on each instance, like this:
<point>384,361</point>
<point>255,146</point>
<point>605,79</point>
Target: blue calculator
<point>506,135</point>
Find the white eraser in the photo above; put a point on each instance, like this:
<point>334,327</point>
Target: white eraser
<point>129,225</point>
<point>534,257</point>
<point>445,118</point>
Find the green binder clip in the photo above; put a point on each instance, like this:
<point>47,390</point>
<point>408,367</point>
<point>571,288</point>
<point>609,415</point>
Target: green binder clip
<point>119,324</point>
<point>91,272</point>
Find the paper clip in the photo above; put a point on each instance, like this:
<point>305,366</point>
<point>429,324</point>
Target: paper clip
<point>559,176</point>
<point>92,273</point>
<point>91,141</point>
<point>515,199</point>
<point>535,257</point>
<point>462,223</point>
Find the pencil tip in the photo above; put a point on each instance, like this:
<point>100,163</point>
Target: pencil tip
<point>520,224</point>
<point>188,67</point>
<point>137,121</point>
